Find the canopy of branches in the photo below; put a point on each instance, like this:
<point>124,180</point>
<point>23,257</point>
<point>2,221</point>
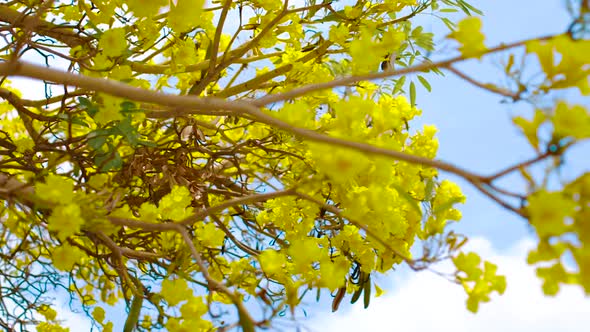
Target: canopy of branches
<point>213,164</point>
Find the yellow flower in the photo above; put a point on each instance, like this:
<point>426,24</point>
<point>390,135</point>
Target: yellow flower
<point>121,73</point>
<point>530,128</point>
<point>175,291</point>
<point>303,253</point>
<point>51,327</point>
<point>209,235</point>
<point>194,308</point>
<point>352,12</point>
<point>56,189</point>
<point>544,52</point>
<point>110,110</point>
<point>47,312</point>
<point>548,210</point>
<point>366,53</point>
<point>186,53</point>
<point>333,273</point>
<point>469,36</point>
<point>66,220</point>
<point>185,15</point>
<point>272,262</point>
<point>148,212</point>
<point>424,143</point>
<point>99,314</point>
<point>23,144</point>
<point>65,257</point>
<point>113,42</point>
<point>175,205</point>
<point>574,121</point>
<point>142,8</point>
<point>340,164</point>
<point>270,5</point>
<point>339,34</point>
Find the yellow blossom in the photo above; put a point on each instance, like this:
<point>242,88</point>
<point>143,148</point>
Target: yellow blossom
<point>113,42</point>
<point>469,35</point>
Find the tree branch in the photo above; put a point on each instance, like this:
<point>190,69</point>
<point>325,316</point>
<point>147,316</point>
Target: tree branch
<point>492,88</point>
<point>64,34</point>
<point>246,319</point>
<point>423,67</point>
<point>187,103</point>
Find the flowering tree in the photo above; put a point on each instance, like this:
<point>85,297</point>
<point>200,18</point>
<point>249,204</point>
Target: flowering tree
<point>212,164</point>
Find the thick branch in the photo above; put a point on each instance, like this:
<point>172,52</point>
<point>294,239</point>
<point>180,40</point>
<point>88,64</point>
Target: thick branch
<point>63,34</point>
<point>187,103</point>
<point>119,89</point>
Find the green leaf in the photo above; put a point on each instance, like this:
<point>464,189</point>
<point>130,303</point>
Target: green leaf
<point>333,16</point>
<point>356,295</point>
<point>125,129</point>
<point>448,23</point>
<point>412,94</point>
<point>114,163</point>
<point>73,120</point>
<point>90,107</point>
<point>84,102</point>
<point>413,202</point>
<point>437,71</point>
<point>108,161</point>
<point>367,291</point>
<point>147,143</point>
<point>129,107</point>
<point>399,84</point>
<point>465,9</point>
<point>97,138</point>
<point>250,26</point>
<point>428,189</point>
<point>97,142</point>
<point>424,83</point>
<point>417,31</point>
<point>447,205</point>
<point>473,9</point>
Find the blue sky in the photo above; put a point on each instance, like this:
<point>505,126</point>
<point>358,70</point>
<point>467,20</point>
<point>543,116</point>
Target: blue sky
<point>475,131</point>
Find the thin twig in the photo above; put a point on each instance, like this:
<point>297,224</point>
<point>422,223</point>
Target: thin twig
<point>492,88</point>
<point>412,263</point>
<point>513,168</point>
<point>215,285</point>
<point>423,67</point>
<point>234,202</point>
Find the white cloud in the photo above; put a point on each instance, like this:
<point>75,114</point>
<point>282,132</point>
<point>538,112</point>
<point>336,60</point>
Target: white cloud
<point>426,302</point>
